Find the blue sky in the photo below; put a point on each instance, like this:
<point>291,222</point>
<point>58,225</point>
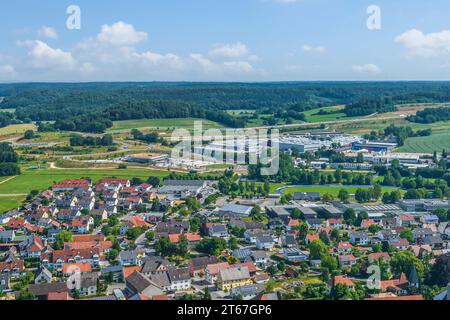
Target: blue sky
<point>224,40</point>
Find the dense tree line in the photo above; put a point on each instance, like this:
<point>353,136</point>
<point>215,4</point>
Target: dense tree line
<point>7,118</point>
<point>8,161</point>
<point>431,115</point>
<point>77,140</point>
<point>299,176</point>
<point>399,133</point>
<point>92,107</point>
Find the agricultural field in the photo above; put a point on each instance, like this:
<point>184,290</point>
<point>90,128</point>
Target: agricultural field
<point>435,142</point>
<point>43,179</point>
<point>312,116</point>
<point>161,124</point>
<point>8,203</point>
<point>16,129</point>
<point>333,190</point>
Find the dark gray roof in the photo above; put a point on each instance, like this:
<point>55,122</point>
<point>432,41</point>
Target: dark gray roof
<point>202,262</point>
<point>188,183</point>
<point>176,274</point>
<point>241,253</point>
<point>43,289</point>
<point>138,282</point>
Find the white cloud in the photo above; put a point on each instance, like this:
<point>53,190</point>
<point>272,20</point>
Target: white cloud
<point>311,49</point>
<point>233,50</point>
<point>367,69</point>
<point>113,55</point>
<point>121,34</point>
<point>43,56</point>
<point>421,44</point>
<point>7,72</point>
<point>47,32</point>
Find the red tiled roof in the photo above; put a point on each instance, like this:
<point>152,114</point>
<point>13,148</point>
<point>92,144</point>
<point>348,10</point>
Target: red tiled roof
<point>191,237</point>
<point>137,221</point>
<point>128,271</point>
<point>59,296</point>
<point>88,237</point>
<point>400,298</point>
<point>76,267</point>
<point>343,280</point>
<point>80,183</point>
<point>215,268</point>
<point>344,245</point>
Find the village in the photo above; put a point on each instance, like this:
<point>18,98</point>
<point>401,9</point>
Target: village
<point>119,239</point>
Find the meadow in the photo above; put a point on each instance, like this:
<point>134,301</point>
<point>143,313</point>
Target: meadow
<point>435,142</point>
<point>43,179</point>
<point>333,190</point>
<point>16,129</point>
<point>161,124</point>
<point>9,203</point>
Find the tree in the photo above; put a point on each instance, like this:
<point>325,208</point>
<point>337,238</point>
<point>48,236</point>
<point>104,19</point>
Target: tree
<point>112,255</point>
<point>183,246</point>
<point>165,248</point>
<point>61,238</point>
<point>317,249</point>
<point>212,246</point>
<point>440,272</point>
<point>349,216</point>
<point>403,262</point>
<point>154,181</point>
<point>343,195</point>
<point>233,243</point>
<point>327,197</point>
<point>29,134</point>
<point>407,234</point>
<point>302,230</point>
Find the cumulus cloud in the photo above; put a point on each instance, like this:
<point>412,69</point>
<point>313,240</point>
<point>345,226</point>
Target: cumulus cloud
<point>43,56</point>
<point>47,32</point>
<point>421,44</point>
<point>371,69</point>
<point>121,34</point>
<point>233,50</point>
<point>7,72</point>
<point>113,54</point>
<point>312,49</point>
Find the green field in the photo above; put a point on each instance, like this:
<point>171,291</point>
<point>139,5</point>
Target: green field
<point>16,129</point>
<point>43,179</point>
<point>435,142</point>
<point>9,203</point>
<point>161,124</point>
<point>312,116</point>
<point>333,190</point>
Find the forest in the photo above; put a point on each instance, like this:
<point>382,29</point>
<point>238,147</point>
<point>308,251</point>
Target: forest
<point>431,115</point>
<point>92,107</point>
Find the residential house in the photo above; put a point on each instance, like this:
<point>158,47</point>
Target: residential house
<point>5,282</point>
<point>265,242</point>
<point>359,238</point>
<point>218,231</point>
<point>197,265</point>
<point>295,255</point>
<point>233,277</point>
<point>128,258</point>
<point>180,279</point>
<point>212,271</point>
<point>347,260</point>
<point>260,258</point>
<point>138,283</point>
<point>43,276</point>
